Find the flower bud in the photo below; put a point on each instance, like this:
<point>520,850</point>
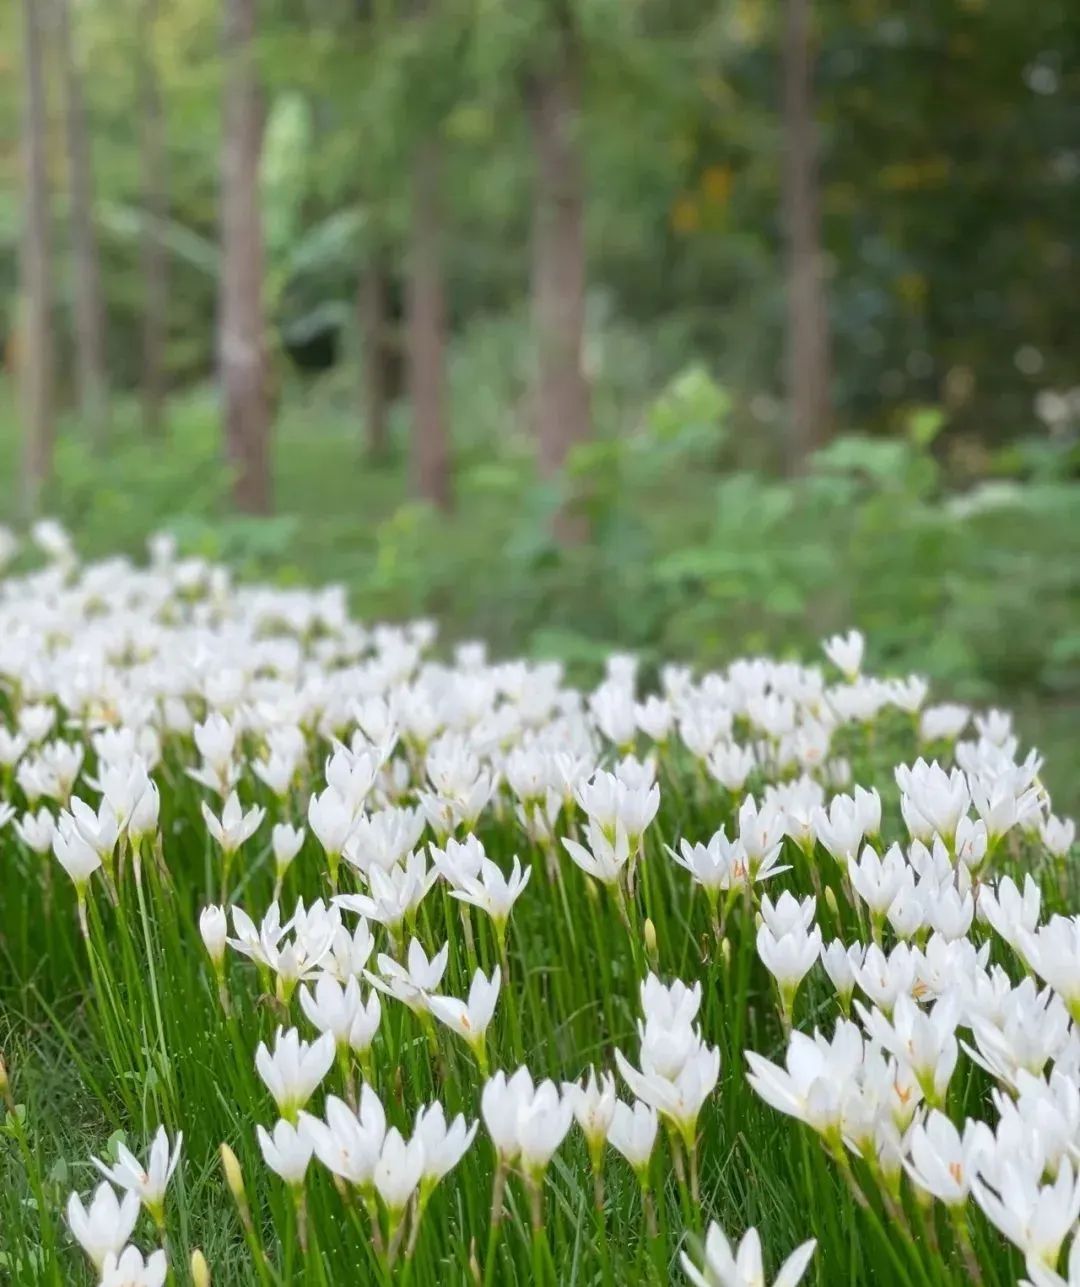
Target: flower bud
<point>234,1177</point>
<point>200,1271</point>
<point>213,928</point>
<point>830,900</point>
<point>650,943</point>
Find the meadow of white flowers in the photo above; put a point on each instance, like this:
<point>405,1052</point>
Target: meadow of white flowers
<point>371,966</point>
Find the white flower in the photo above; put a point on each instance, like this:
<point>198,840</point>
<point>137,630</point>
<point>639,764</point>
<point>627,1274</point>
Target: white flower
<point>331,819</point>
<point>840,964</point>
<point>150,1182</point>
<point>543,1121</point>
<point>942,1162</point>
<point>721,1268</point>
<point>214,930</point>
<point>341,1011</point>
<point>501,1102</point>
<point>443,1146</point>
<point>632,1132</point>
<point>293,1072</point>
<point>846,652</point>
<point>234,826</point>
<point>1009,912</point>
<point>493,892</point>
<point>593,1104</point>
<point>36,830</point>
<point>286,841</point>
<point>1034,1216</point>
<point>106,1224</point>
<point>130,1269</point>
<point>287,1151</point>
<point>604,859</point>
<point>788,957</point>
<point>77,858</point>
<point>470,1019</point>
<point>349,1144</point>
<point>415,981</point>
<point>1057,835</point>
<point>399,1170</point>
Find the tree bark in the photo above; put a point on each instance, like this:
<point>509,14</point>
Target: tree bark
<point>371,316</point>
<point>807,346</point>
<point>35,351</point>
<point>155,212</point>
<point>426,310</point>
<point>558,270</point>
<point>242,338</point>
<point>90,360</point>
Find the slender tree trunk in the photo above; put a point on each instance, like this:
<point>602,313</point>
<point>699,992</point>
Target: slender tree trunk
<point>242,339</point>
<point>35,334</point>
<point>427,334</point>
<point>90,361</point>
<point>558,270</point>
<point>155,212</point>
<point>371,316</point>
<point>807,357</point>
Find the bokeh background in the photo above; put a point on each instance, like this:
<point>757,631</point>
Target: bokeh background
<point>679,327</point>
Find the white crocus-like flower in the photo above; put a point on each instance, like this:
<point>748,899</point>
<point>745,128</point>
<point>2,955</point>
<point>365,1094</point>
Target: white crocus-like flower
<point>398,1171</point>
<point>349,1144</point>
<point>494,893</point>
<point>789,957</point>
<point>287,1151</point>
<point>340,1010</point>
<point>602,857</point>
<point>394,893</point>
<point>443,1145</point>
<point>743,1268</point>
<point>1035,1216</point>
<point>1053,952</point>
<point>632,1132</point>
<point>1009,912</point>
<point>543,1121</point>
<point>1043,1276</point>
<point>36,830</point>
<point>414,982</point>
<point>1058,836</point>
<point>840,964</point>
<point>846,653</point>
<point>132,1269</point>
<point>817,1073</point>
<point>293,1071</point>
<point>105,1225</point>
<point>331,819</point>
<point>214,929</point>
<point>470,1019</point>
<point>944,1162</point>
<point>593,1103</point>
<point>77,857</point>
<point>234,826</point>
<point>678,1071</point>
<point>149,1182</point>
<point>286,842</point>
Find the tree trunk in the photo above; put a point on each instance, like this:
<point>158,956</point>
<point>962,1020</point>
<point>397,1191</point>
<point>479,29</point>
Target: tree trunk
<point>427,334</point>
<point>35,334</point>
<point>155,212</point>
<point>371,316</point>
<point>90,361</point>
<point>558,271</point>
<point>242,338</point>
<point>807,356</point>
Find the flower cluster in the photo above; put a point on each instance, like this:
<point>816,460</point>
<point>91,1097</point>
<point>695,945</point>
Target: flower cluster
<point>417,881</point>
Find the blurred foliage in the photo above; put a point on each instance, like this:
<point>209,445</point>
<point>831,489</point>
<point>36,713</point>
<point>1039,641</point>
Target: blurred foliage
<point>692,555</point>
<point>950,181</point>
